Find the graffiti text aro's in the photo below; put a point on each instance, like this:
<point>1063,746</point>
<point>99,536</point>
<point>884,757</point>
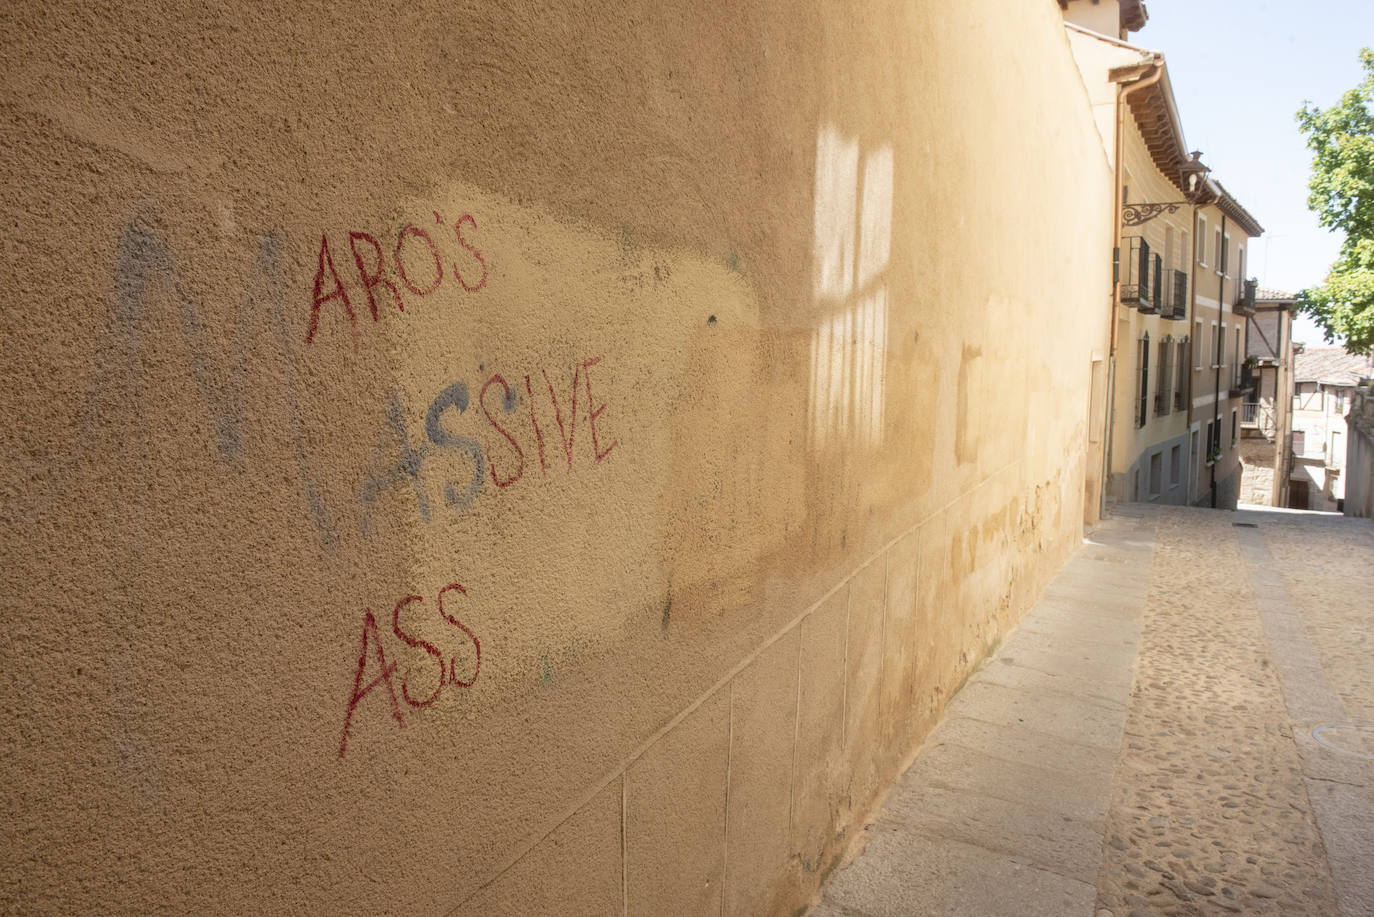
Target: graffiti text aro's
<point>417,263</point>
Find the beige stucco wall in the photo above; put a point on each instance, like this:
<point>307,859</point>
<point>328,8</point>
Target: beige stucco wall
<point>1359,462</point>
<point>736,407</point>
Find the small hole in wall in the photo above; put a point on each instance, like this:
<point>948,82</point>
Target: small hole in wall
<point>711,320</point>
<point>916,338</point>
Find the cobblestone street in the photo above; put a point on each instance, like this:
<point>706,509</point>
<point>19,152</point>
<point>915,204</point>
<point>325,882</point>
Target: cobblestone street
<point>1182,726</point>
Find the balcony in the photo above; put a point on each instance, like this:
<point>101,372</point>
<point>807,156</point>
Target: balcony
<point>1178,400</point>
<point>1140,271</point>
<point>1245,298</point>
<point>1162,404</point>
<point>1256,416</point>
<point>1244,383</point>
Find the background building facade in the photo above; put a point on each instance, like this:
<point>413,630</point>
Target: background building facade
<point>1223,299</point>
<point>1325,378</point>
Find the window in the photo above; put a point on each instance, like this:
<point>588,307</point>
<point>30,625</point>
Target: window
<point>1221,346</point>
<point>1299,442</point>
<point>1339,395</point>
<point>1226,255</point>
<point>1233,426</point>
<point>1181,386</point>
<point>1144,387</point>
<point>1211,441</point>
<point>1202,240</point>
<point>1162,375</point>
<point>1175,466</point>
<point>1240,262</point>
<point>1220,252</point>
<point>1156,472</point>
<point>1197,343</point>
<point>1192,459</point>
<point>1235,359</point>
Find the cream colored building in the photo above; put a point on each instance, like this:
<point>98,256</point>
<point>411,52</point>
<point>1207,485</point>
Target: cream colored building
<point>1223,299</point>
<point>1175,315</point>
<point>521,460</point>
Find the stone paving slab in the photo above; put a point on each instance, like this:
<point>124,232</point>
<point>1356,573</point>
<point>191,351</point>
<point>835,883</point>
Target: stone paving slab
<point>978,773</point>
<point>1117,657</point>
<point>1060,843</point>
<point>1113,679</point>
<point>1028,746</point>
<point>1007,672</point>
<point>1061,715</point>
<point>903,872</point>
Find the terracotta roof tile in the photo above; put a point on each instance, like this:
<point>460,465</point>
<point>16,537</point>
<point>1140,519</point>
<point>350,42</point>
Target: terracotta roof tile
<point>1331,365</point>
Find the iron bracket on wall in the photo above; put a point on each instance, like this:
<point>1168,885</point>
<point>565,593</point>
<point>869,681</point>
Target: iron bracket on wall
<point>1135,214</point>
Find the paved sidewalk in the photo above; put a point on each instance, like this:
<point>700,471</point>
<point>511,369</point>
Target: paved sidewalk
<point>1003,811</point>
<point>1168,732</point>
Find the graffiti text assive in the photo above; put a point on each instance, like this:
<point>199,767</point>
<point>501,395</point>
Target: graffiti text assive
<point>398,460</point>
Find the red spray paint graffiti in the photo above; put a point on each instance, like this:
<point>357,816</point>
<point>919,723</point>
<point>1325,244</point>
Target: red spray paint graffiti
<point>416,261</point>
<point>372,658</point>
<point>502,458</point>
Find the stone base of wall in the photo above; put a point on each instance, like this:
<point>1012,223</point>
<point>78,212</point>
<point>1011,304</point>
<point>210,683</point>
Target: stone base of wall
<point>1257,471</point>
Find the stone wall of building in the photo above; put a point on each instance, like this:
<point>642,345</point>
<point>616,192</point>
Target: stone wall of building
<point>504,460</point>
<point>1359,461</point>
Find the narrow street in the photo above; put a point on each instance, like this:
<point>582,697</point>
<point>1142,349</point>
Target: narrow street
<point>1184,725</point>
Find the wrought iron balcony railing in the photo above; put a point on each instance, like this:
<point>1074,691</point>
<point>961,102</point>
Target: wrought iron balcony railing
<point>1137,272</point>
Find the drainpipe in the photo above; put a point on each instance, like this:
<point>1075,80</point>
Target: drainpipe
<point>1280,497</point>
<point>1192,314</point>
<point>1156,72</point>
<point>1223,266</point>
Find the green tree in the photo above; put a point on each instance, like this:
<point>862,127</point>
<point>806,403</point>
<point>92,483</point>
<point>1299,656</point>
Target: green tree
<point>1342,195</point>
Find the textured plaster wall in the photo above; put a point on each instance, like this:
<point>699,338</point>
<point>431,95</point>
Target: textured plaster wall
<point>1359,463</point>
<point>497,460</point>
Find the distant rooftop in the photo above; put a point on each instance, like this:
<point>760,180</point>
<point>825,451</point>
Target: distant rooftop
<point>1271,294</point>
<point>1332,366</point>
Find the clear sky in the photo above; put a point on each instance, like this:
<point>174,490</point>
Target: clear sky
<point>1240,71</point>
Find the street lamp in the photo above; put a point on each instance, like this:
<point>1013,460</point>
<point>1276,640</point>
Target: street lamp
<point>1192,174</point>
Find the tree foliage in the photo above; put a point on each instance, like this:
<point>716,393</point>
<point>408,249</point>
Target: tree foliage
<point>1342,195</point>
